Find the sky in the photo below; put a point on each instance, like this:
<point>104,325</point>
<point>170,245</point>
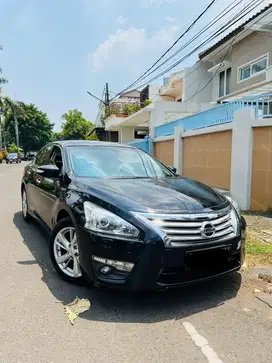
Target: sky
<point>56,50</point>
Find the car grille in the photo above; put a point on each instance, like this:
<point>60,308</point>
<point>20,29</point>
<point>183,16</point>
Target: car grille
<point>187,228</point>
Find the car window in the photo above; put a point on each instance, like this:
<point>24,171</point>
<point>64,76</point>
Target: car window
<point>56,157</point>
<point>114,162</point>
<point>43,156</point>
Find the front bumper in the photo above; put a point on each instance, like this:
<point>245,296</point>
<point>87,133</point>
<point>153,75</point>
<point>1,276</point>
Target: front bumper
<point>155,266</point>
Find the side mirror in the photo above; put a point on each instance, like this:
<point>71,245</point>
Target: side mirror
<point>49,171</point>
<point>173,169</point>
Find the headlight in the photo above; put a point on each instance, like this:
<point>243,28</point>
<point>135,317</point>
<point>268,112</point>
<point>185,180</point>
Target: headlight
<point>100,220</point>
<point>235,205</point>
<point>234,221</point>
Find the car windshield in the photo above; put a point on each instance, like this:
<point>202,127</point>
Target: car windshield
<point>115,162</point>
<point>12,155</point>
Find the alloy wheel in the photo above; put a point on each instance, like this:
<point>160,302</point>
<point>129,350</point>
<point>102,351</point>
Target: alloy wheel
<point>66,252</point>
<point>24,204</point>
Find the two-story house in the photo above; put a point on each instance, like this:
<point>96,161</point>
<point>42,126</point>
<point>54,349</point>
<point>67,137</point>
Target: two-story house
<point>158,104</point>
<point>238,66</point>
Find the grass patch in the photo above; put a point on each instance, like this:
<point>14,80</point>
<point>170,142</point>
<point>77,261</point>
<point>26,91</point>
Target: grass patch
<point>258,253</point>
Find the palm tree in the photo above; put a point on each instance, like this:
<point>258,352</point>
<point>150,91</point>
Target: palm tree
<point>8,106</point>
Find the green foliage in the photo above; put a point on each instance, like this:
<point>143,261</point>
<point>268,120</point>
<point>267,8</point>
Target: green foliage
<point>130,109</point>
<point>2,80</point>
<point>147,103</point>
<point>121,108</point>
<point>75,127</point>
<point>92,137</point>
<point>56,136</point>
<point>35,129</point>
<point>13,148</point>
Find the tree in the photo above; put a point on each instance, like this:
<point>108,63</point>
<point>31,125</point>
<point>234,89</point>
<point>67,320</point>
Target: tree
<point>75,126</point>
<point>6,104</point>
<point>56,136</point>
<point>2,80</point>
<point>8,108</point>
<point>35,129</point>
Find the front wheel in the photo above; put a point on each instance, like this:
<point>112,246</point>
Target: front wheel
<point>25,213</point>
<point>64,252</point>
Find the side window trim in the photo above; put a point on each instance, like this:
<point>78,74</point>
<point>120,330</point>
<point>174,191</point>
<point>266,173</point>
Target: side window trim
<point>47,155</point>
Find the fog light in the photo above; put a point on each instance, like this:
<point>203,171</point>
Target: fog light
<point>239,245</point>
<point>119,265</point>
<point>105,270</point>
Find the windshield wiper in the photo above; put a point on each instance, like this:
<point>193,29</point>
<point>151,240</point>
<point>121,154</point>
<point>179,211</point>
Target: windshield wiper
<point>133,177</point>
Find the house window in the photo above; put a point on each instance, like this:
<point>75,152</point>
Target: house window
<point>225,82</point>
<point>253,68</point>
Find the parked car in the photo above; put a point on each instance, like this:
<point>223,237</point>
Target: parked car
<point>13,158</point>
<point>30,156</point>
<point>120,218</point>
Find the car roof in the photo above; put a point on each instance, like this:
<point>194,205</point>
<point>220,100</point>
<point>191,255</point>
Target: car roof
<point>68,143</point>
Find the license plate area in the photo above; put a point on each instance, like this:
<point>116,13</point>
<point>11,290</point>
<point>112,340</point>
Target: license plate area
<point>208,261</point>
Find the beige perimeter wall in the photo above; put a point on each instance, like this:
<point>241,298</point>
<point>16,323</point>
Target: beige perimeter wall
<point>261,184</point>
<point>207,158</point>
<point>164,151</point>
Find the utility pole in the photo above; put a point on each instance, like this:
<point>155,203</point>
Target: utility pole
<point>107,103</point>
<point>107,97</point>
<point>16,131</point>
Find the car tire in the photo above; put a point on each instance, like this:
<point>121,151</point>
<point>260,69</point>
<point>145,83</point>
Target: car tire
<point>63,247</point>
<point>25,212</point>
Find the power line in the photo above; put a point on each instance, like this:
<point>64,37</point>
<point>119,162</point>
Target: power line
<point>201,32</point>
<point>175,42</point>
<point>215,35</point>
<point>212,78</point>
<point>223,13</point>
<point>210,24</point>
<point>229,45</point>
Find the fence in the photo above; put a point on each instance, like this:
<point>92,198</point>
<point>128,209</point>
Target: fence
<point>144,144</point>
<point>233,156</point>
<point>219,115</point>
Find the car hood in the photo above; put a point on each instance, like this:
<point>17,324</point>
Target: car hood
<point>173,194</point>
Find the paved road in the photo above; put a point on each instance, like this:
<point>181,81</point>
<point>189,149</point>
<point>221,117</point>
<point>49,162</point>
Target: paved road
<point>215,322</point>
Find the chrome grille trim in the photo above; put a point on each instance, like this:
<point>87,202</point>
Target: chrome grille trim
<point>180,229</point>
<point>166,222</point>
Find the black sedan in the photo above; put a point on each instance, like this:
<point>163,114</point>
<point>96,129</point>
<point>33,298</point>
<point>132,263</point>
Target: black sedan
<point>120,218</point>
<point>13,158</point>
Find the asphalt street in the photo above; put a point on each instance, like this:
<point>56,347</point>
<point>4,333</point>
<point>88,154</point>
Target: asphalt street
<point>219,321</point>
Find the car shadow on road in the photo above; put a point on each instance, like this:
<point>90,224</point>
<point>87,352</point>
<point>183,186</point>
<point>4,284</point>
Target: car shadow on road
<point>117,306</point>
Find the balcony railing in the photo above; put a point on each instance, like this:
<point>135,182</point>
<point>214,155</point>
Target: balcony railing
<point>221,114</point>
<point>122,109</point>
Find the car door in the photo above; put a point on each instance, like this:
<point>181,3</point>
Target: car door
<point>49,187</point>
<point>35,179</point>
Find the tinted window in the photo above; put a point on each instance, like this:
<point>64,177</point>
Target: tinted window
<point>43,156</point>
<point>115,162</point>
